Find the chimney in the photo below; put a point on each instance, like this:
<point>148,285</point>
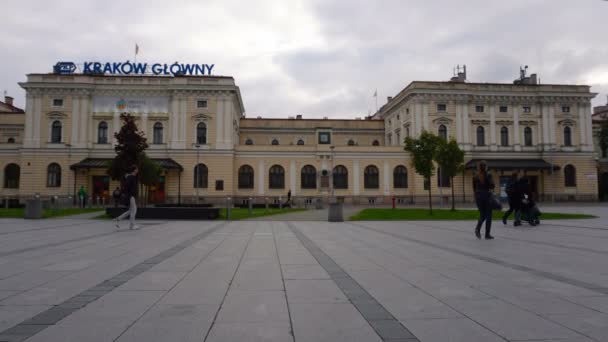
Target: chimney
<point>533,79</point>
<point>389,98</point>
<point>8,100</point>
<point>299,117</point>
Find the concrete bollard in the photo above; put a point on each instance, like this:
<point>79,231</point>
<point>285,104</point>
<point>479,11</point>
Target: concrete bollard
<point>250,205</point>
<point>266,202</point>
<point>335,212</point>
<point>228,209</point>
<point>280,202</point>
<point>33,208</point>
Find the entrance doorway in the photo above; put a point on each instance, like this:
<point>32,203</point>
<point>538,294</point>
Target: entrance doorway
<point>101,189</point>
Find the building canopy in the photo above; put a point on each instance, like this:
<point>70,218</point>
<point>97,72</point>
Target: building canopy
<point>513,164</point>
<point>102,163</point>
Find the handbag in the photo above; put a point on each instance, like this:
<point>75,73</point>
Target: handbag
<point>495,202</point>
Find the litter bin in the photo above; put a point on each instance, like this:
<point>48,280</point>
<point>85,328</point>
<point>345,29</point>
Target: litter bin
<point>335,212</point>
<point>319,204</point>
<point>33,208</point>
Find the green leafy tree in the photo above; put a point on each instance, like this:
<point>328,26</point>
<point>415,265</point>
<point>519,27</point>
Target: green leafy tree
<point>451,160</point>
<point>602,135</point>
<point>423,151</point>
<point>130,150</point>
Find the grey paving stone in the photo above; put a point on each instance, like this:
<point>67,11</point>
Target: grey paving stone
<point>304,272</point>
<point>391,329</point>
<point>592,325</point>
<point>255,281</point>
<point>372,310</point>
<point>595,303</point>
<point>49,317</point>
<point>314,291</point>
<point>188,323</point>
<point>150,281</point>
<point>251,332</point>
<point>450,329</point>
<point>253,306</point>
<point>11,315</point>
<point>330,322</point>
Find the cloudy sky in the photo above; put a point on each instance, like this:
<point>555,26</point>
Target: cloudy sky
<point>316,57</point>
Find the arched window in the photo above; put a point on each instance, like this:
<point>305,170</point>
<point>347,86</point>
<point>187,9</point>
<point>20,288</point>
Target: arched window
<point>158,133</point>
<point>443,132</point>
<point>569,175</point>
<point>351,142</point>
<point>12,172</point>
<point>274,142</point>
<point>53,175</point>
<point>481,136</point>
<point>528,136</point>
<point>567,136</point>
<point>11,140</point>
<point>201,175</point>
<point>56,132</point>
<point>201,133</point>
<point>376,143</point>
<point>400,177</point>
<point>245,177</point>
<point>340,176</point>
<point>300,142</point>
<point>248,142</point>
<point>371,178</point>
<point>276,177</point>
<point>504,136</point>
<point>102,133</point>
<point>309,177</point>
<point>442,179</point>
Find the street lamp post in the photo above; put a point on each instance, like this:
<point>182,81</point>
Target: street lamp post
<point>67,183</point>
<point>331,182</point>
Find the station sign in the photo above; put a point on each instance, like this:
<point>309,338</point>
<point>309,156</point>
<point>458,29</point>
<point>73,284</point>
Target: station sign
<point>134,68</point>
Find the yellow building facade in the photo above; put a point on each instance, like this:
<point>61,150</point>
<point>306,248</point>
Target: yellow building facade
<point>209,150</point>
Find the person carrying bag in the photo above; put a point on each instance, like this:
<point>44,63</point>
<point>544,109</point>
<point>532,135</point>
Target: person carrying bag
<point>486,201</point>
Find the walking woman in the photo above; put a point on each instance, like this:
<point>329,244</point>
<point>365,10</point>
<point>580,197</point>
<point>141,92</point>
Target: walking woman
<point>483,186</point>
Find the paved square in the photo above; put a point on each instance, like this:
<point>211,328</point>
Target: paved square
<point>79,280</point>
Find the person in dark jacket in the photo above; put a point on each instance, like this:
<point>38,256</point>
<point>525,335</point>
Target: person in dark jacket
<point>483,186</point>
<point>130,191</point>
<point>515,196</point>
<point>116,196</point>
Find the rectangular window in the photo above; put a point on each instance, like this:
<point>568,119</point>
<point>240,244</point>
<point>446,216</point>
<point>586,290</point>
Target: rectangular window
<point>219,185</point>
<point>565,109</point>
<point>324,138</point>
<point>441,107</point>
<point>527,109</point>
<point>201,104</point>
<point>504,109</point>
<point>57,102</point>
<point>479,109</point>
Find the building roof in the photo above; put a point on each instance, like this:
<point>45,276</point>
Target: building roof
<point>6,108</point>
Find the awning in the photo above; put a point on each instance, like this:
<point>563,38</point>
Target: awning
<point>513,164</point>
<point>102,163</point>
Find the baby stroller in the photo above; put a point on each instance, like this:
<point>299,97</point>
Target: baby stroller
<point>529,211</point>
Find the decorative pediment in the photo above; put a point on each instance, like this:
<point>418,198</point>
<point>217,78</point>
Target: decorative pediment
<point>442,121</point>
<point>56,115</point>
<point>567,122</point>
<point>201,117</point>
<point>504,122</point>
<point>480,122</point>
<point>528,123</point>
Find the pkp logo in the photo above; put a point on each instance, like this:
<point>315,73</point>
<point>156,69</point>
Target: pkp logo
<point>121,104</point>
<point>64,68</point>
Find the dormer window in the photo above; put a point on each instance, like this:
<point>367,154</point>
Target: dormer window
<point>479,109</point>
<point>201,104</point>
<point>442,107</point>
<point>565,109</point>
<point>527,109</point>
<point>57,102</point>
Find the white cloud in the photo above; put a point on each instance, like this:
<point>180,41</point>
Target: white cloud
<point>318,57</point>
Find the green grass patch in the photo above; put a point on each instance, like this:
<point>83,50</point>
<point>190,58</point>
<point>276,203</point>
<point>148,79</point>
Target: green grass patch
<point>243,213</point>
<point>48,213</point>
<point>416,214</point>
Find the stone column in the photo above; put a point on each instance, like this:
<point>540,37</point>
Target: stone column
<point>466,127</point>
<point>261,178</point>
<point>459,125</point>
<point>115,126</point>
<point>183,121</point>
<point>228,114</point>
<point>552,127</point>
<point>174,121</point>
<point>37,119</point>
<point>74,140</point>
<point>493,146</point>
<point>418,112</point>
<point>425,116</point>
<point>516,143</point>
<point>28,139</point>
<point>292,177</point>
<point>589,122</point>
<point>387,189</point>
<point>144,125</point>
<point>546,139</point>
<point>356,184</point>
<point>219,123</point>
<point>85,117</point>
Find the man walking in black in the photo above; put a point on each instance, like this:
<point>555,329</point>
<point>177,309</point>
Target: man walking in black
<point>514,194</point>
<point>130,191</point>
